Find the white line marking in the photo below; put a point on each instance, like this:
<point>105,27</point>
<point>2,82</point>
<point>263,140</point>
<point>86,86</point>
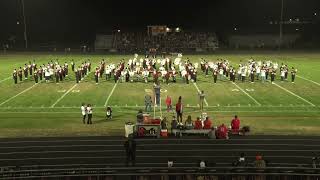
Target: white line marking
<point>63,96</point>
<point>114,87</point>
<point>247,94</point>
<point>5,79</point>
<point>17,94</point>
<point>309,80</point>
<point>294,94</point>
<point>205,101</point>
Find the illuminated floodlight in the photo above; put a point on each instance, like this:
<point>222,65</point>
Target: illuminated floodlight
<point>315,14</point>
<point>235,28</point>
<point>18,22</point>
<point>290,19</point>
<point>118,30</point>
<point>178,29</point>
<point>297,29</point>
<point>168,29</point>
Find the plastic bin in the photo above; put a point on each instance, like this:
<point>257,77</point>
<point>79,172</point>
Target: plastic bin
<point>128,128</point>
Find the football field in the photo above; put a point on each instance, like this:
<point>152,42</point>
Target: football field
<point>49,109</point>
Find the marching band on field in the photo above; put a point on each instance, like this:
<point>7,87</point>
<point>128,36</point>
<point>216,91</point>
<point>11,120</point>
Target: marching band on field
<point>165,69</point>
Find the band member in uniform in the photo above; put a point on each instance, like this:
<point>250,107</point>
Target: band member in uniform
<point>89,111</point>
<point>20,74</point>
<point>83,112</point>
<point>96,75</point>
<point>72,65</point>
<point>25,71</point>
<point>35,76</point>
<point>76,72</point>
<point>273,75</point>
<point>30,68</point>
<point>215,75</point>
<point>252,74</point>
<point>40,73</point>
<point>15,76</point>
<point>293,74</point>
<point>57,75</point>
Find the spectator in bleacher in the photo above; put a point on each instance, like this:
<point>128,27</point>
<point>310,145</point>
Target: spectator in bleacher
<point>207,124</point>
<point>198,124</point>
<point>241,161</point>
<point>259,162</point>
<point>179,109</point>
<point>189,123</point>
<point>174,123</point>
<point>212,133</point>
<point>140,117</point>
<point>235,124</point>
<point>222,132</point>
<point>130,146</point>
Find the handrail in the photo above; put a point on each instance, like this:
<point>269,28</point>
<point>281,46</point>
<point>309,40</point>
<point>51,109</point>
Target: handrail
<point>119,171</point>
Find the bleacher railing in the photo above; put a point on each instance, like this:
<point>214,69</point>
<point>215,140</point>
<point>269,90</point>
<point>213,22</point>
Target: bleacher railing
<point>159,171</point>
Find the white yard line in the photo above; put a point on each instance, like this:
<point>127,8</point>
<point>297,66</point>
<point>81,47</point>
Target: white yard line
<point>294,94</point>
<point>64,95</point>
<point>205,101</point>
<point>247,94</point>
<point>17,95</point>
<point>5,79</point>
<point>309,80</point>
<point>114,87</point>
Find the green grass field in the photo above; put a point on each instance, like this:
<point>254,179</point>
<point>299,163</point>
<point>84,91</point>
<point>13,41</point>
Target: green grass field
<point>45,109</point>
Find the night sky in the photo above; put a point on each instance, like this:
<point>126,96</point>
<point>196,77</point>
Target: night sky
<point>73,19</point>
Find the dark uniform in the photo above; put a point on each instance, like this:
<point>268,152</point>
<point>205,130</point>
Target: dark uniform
<point>130,146</point>
<point>25,71</point>
<point>252,75</point>
<point>76,72</point>
<point>293,74</point>
<point>72,66</point>
<point>96,76</point>
<point>215,76</point>
<point>36,76</point>
<point>15,76</point>
<point>273,75</point>
<point>20,74</point>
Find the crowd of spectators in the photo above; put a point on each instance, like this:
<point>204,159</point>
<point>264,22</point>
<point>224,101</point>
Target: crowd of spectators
<point>170,42</point>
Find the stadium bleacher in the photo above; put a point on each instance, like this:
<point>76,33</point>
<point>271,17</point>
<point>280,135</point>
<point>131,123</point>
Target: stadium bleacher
<point>108,152</point>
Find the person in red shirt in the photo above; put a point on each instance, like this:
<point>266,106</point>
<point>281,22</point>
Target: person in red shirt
<point>168,103</point>
<point>222,132</point>
<point>179,110</point>
<point>198,124</point>
<point>207,123</point>
<point>235,124</point>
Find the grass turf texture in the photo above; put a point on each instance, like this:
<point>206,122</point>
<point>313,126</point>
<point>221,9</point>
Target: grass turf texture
<point>31,113</point>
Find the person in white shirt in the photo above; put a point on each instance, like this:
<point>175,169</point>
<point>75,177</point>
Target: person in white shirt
<point>263,75</point>
<point>89,112</point>
<point>83,112</point>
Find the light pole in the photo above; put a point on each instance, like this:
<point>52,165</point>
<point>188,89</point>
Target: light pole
<point>25,25</point>
<point>280,24</point>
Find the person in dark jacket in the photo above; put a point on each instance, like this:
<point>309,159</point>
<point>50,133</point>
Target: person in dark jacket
<point>130,146</point>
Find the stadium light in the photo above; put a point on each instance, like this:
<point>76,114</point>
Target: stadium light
<point>235,28</point>
<point>315,14</point>
<point>178,29</point>
<point>18,22</point>
<point>118,30</point>
<point>168,29</point>
<point>297,29</point>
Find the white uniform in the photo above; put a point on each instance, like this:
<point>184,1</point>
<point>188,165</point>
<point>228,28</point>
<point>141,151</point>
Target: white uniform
<point>83,110</point>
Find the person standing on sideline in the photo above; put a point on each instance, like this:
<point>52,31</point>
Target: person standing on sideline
<point>157,93</point>
<point>201,97</point>
<point>130,146</point>
<point>293,74</point>
<point>83,112</point>
<point>168,103</point>
<point>179,109</point>
<point>20,74</point>
<point>148,102</point>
